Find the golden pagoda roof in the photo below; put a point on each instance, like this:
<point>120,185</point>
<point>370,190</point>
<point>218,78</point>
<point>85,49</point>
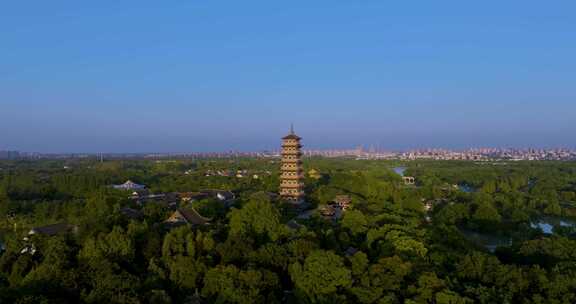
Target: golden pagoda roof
<point>292,136</point>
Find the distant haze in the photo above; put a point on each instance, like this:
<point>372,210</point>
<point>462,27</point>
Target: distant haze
<point>180,76</point>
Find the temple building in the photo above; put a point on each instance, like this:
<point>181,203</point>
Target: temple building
<point>292,175</point>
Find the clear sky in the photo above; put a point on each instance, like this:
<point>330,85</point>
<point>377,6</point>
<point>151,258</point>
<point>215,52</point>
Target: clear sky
<point>177,76</point>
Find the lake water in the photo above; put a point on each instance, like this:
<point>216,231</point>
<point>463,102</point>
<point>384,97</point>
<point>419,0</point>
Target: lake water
<point>547,223</point>
<point>492,241</point>
<point>399,170</point>
<point>488,241</point>
<point>2,247</point>
<point>465,188</point>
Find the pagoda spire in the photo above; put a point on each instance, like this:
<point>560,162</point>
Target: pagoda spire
<point>291,176</point>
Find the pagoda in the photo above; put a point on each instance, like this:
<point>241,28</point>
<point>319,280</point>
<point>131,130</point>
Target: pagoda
<point>292,175</point>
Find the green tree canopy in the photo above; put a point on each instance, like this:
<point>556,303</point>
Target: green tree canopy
<point>259,218</point>
<point>321,276</point>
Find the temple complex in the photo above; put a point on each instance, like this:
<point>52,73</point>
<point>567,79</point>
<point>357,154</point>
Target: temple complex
<point>292,175</point>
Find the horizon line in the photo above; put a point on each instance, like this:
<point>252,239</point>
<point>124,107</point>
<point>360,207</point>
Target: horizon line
<point>365,149</point>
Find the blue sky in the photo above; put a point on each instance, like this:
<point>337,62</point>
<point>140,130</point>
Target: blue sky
<point>177,76</point>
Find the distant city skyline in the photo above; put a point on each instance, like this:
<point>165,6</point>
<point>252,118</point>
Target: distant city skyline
<point>185,76</point>
<point>360,153</point>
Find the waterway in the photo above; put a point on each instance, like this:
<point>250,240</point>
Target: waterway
<point>547,223</point>
<point>2,247</point>
<point>399,170</point>
<point>487,240</point>
<point>466,188</point>
<point>491,241</point>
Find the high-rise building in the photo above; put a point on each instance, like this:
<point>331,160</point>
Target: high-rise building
<point>292,175</point>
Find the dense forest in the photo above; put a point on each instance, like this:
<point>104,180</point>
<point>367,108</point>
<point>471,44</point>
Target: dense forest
<point>425,243</point>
